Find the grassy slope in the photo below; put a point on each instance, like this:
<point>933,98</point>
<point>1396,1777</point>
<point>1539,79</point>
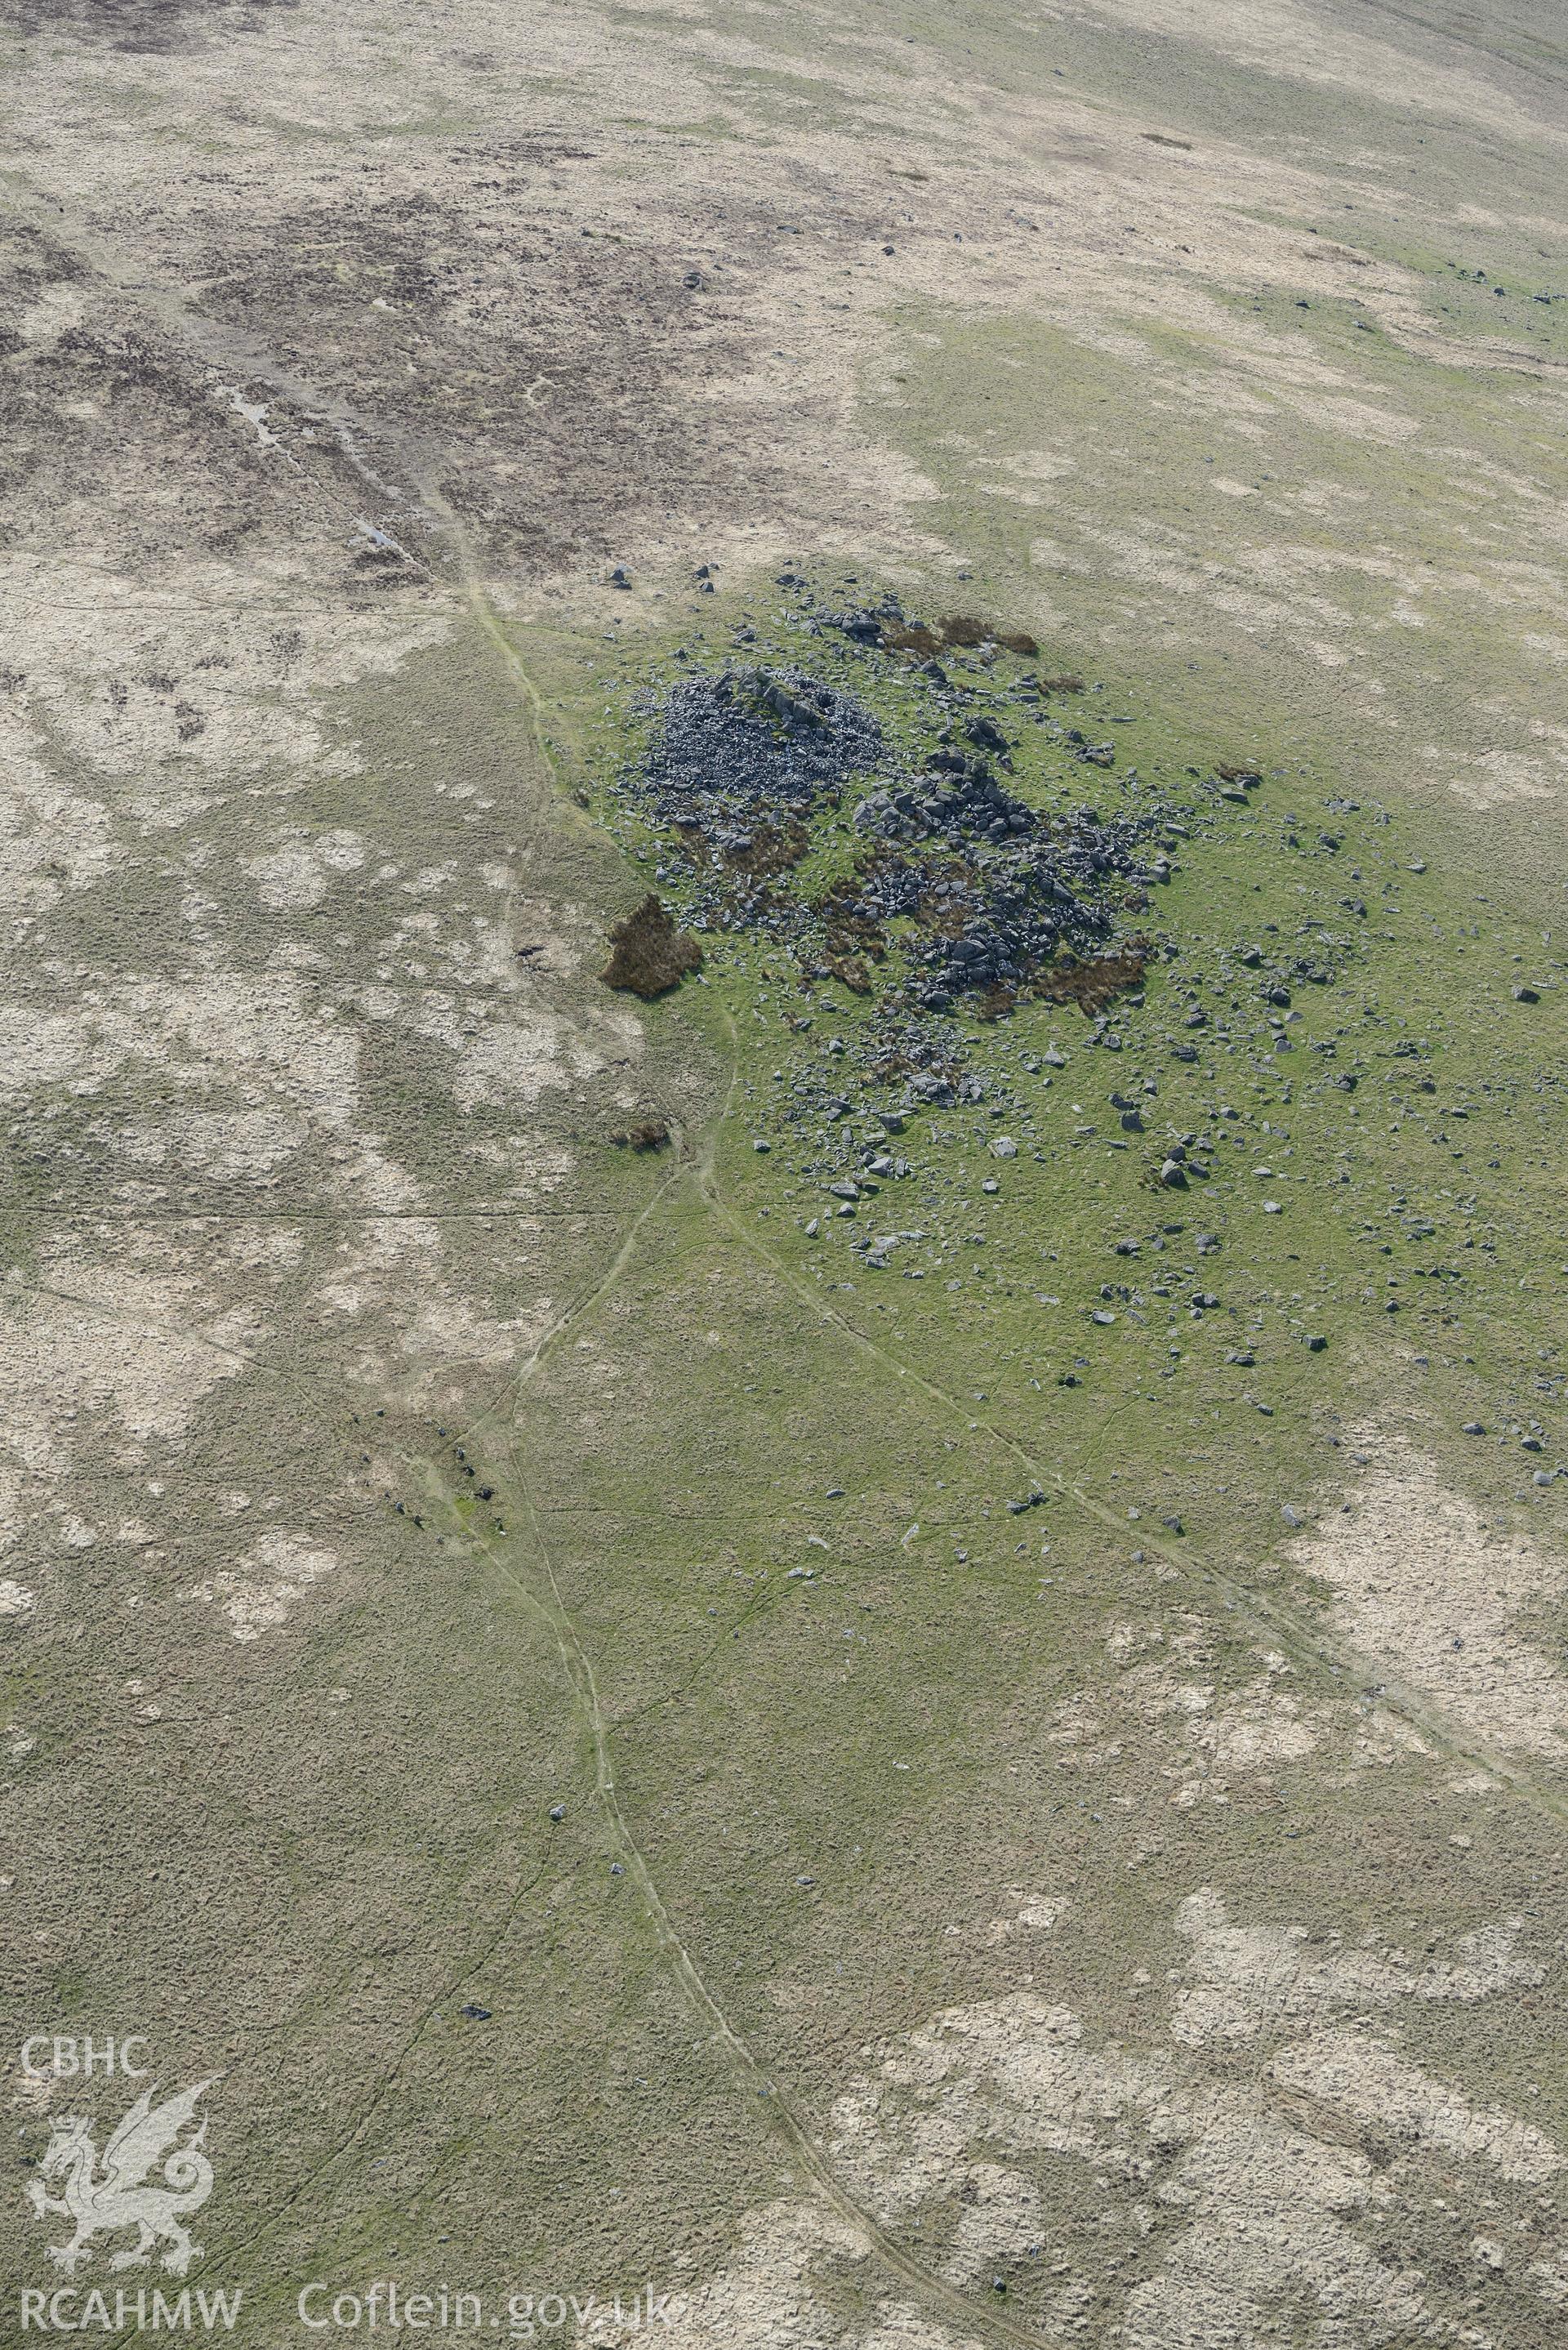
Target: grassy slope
<point>829,1777</point>
<point>833,1781</point>
<point>884,1729</point>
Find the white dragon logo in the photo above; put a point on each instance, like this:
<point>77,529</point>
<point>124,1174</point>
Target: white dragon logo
<point>103,2203</point>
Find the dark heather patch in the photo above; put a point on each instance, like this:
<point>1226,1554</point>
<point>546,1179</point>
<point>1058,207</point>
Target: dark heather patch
<point>649,956</point>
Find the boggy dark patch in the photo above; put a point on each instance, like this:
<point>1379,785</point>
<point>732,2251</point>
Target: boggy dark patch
<point>550,381</point>
<point>649,956</point>
<point>141,28</point>
<point>117,405</point>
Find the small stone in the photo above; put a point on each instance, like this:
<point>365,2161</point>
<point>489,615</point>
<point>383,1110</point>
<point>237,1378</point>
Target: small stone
<point>1473,1428</point>
<point>811,1229</point>
<point>1004,1147</point>
<point>1316,1342</point>
<point>1523,994</point>
<point>1291,1517</point>
<point>1173,1175</point>
<point>991,1184</point>
<point>759,1145</point>
<point>1271,1207</point>
<point>558,1812</point>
